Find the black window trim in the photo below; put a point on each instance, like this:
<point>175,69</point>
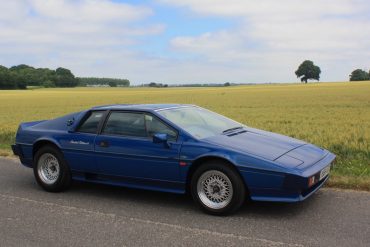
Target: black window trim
<point>108,113</point>
<point>86,116</point>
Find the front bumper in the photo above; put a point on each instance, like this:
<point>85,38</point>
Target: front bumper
<point>286,195</point>
<point>24,152</point>
<point>294,188</point>
<point>16,150</point>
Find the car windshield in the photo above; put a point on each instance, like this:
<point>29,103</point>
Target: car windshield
<point>200,122</point>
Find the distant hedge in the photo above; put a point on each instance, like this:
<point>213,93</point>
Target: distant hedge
<point>85,81</point>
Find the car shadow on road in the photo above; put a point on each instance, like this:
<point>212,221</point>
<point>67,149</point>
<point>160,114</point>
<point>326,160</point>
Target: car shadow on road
<point>176,202</point>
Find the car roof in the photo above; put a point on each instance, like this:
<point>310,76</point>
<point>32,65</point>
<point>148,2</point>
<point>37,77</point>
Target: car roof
<point>140,107</point>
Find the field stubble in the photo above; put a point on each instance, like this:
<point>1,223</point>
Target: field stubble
<point>335,116</point>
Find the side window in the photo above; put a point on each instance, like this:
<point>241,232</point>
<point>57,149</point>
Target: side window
<point>126,124</point>
<point>91,123</point>
<point>154,125</point>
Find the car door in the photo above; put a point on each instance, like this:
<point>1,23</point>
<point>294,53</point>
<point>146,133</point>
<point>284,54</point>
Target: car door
<point>78,146</point>
<point>125,148</point>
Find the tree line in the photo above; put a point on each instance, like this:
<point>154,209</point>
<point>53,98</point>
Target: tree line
<point>23,76</point>
<point>112,82</point>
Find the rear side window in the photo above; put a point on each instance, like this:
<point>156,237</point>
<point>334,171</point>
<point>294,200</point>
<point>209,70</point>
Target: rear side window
<point>126,124</point>
<point>91,124</point>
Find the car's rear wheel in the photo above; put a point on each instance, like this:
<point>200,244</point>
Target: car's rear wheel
<point>51,170</point>
<point>217,188</point>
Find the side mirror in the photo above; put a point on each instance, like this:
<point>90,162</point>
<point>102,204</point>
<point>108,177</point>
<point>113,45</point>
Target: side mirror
<point>160,138</point>
<point>70,121</point>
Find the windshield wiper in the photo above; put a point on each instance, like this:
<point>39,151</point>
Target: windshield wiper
<point>234,128</point>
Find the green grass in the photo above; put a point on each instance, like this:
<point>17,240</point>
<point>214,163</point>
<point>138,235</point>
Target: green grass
<point>335,116</point>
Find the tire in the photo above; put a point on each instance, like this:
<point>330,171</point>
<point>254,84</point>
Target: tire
<point>51,171</point>
<point>217,188</point>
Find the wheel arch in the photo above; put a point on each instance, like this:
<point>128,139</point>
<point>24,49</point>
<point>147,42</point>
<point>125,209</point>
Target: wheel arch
<point>201,160</point>
<point>41,143</point>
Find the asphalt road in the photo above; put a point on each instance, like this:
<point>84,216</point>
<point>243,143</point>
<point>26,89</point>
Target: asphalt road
<point>99,215</point>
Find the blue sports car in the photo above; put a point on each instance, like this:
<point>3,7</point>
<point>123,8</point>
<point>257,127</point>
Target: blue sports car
<point>172,148</point>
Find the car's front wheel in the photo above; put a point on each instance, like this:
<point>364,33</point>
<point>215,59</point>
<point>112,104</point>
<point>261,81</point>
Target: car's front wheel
<point>51,170</point>
<point>217,188</point>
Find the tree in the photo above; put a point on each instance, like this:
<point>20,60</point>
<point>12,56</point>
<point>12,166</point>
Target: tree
<point>19,81</point>
<point>308,71</point>
<point>359,75</point>
<point>8,79</point>
<point>20,67</point>
<point>48,84</point>
<point>47,77</point>
<point>227,84</point>
<point>65,78</point>
<point>4,78</point>
<point>112,84</point>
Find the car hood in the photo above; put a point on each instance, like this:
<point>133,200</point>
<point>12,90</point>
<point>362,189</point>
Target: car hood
<point>256,142</point>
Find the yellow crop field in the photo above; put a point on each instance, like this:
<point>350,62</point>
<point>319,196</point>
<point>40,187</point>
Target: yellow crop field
<point>335,116</point>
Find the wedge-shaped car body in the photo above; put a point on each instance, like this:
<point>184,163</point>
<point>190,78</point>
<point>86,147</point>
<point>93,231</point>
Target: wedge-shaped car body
<point>173,148</point>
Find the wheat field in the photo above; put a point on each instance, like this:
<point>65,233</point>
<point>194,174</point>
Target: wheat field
<point>335,116</point>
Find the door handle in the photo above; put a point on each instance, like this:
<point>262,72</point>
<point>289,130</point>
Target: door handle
<point>104,144</point>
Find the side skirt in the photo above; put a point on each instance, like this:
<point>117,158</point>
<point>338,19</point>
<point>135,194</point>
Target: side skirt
<point>136,183</point>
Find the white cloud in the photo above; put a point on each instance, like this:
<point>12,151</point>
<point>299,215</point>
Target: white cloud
<point>72,33</point>
<point>276,36</point>
<point>89,10</point>
<point>283,9</point>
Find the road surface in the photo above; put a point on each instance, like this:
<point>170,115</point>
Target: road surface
<point>100,215</point>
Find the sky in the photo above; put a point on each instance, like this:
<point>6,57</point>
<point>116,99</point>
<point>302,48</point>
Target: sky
<point>188,41</point>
